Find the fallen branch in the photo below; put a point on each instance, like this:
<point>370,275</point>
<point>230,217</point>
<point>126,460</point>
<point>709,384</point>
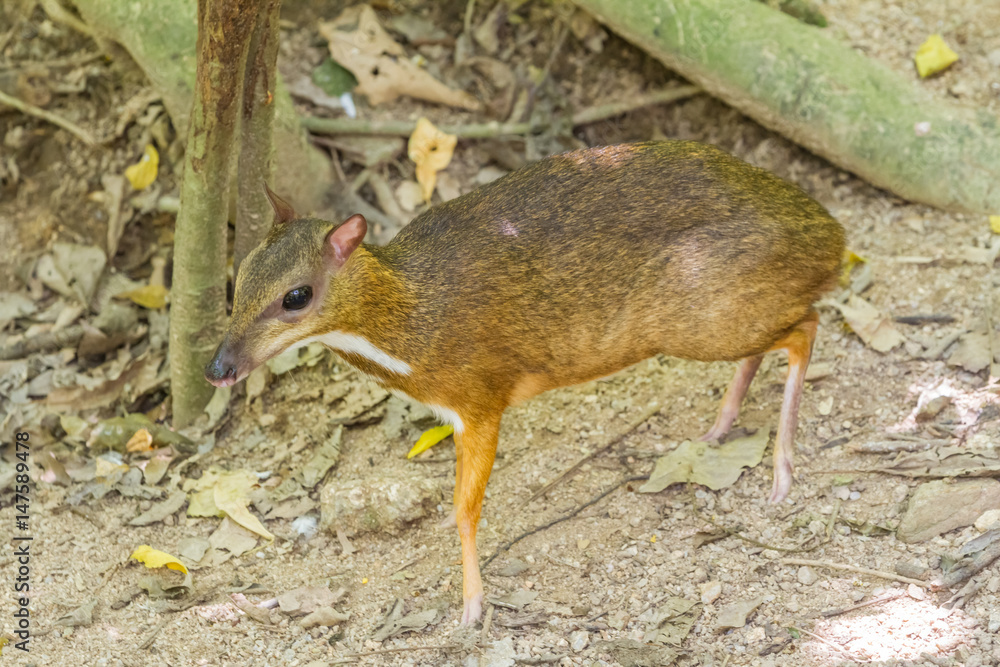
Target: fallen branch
<point>49,341</point>
<point>403,128</point>
<point>818,91</point>
<point>48,116</point>
<point>857,570</point>
<point>981,561</point>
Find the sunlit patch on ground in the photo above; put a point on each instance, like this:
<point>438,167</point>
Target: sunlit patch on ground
<point>218,613</point>
<point>901,629</point>
<point>967,404</point>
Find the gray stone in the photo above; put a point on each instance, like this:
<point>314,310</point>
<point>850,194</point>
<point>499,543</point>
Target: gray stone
<point>386,504</point>
<point>806,575</point>
<point>938,507</point>
<point>578,640</point>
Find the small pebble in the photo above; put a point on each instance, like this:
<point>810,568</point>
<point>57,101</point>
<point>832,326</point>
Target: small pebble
<point>910,569</point>
<point>710,592</point>
<point>988,520</point>
<point>994,623</point>
<point>579,640</point>
<point>806,576</point>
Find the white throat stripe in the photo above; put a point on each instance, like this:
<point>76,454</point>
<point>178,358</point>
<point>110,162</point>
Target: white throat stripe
<point>352,344</point>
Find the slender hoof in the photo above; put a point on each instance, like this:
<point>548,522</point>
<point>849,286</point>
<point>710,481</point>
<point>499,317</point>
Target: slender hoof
<point>714,433</point>
<point>448,521</point>
<point>782,482</point>
<point>473,611</point>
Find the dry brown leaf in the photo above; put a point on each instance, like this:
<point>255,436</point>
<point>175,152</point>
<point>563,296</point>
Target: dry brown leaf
<point>431,150</point>
<point>871,326</point>
<point>972,352</point>
<point>701,463</point>
<point>360,44</point>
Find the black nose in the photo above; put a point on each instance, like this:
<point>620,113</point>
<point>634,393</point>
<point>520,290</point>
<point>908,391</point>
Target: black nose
<point>221,370</point>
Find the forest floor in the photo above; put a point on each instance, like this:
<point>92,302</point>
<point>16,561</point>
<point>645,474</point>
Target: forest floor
<point>630,579</point>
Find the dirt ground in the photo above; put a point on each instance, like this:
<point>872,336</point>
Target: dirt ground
<point>575,592</point>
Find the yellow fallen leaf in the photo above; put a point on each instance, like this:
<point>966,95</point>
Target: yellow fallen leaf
<point>142,174</point>
<point>933,56</point>
<point>141,441</point>
<point>202,503</point>
<point>851,259</point>
<point>995,224</point>
<point>153,558</point>
<point>431,150</point>
<point>147,296</point>
<point>429,438</point>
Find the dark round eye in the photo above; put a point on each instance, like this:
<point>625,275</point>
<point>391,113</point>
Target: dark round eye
<point>298,298</point>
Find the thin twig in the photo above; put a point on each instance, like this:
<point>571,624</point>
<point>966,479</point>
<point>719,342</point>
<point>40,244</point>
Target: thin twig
<point>487,622</point>
<point>833,519</point>
<point>857,570</point>
<point>990,333</point>
<point>829,643</point>
<point>829,613</point>
<point>566,517</point>
<point>493,129</point>
<point>646,415</point>
<point>148,640</point>
<point>354,656</point>
<point>933,353</point>
<point>916,320</point>
<point>631,103</point>
<point>470,9</point>
<point>32,110</point>
<point>59,14</point>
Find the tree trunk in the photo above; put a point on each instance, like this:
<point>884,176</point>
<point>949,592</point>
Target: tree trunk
<point>198,295</point>
<point>253,211</point>
<point>800,82</point>
<point>160,35</point>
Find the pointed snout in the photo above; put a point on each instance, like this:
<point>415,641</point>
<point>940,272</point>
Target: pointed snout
<point>221,370</point>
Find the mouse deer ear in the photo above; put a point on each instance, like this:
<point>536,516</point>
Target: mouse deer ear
<point>283,211</point>
<point>345,239</point>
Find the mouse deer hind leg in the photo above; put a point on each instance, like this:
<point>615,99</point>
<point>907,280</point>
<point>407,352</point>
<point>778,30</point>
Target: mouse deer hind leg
<point>449,521</point>
<point>478,443</point>
<point>798,343</point>
<point>733,397</point>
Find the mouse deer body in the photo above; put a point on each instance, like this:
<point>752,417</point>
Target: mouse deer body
<point>564,271</point>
